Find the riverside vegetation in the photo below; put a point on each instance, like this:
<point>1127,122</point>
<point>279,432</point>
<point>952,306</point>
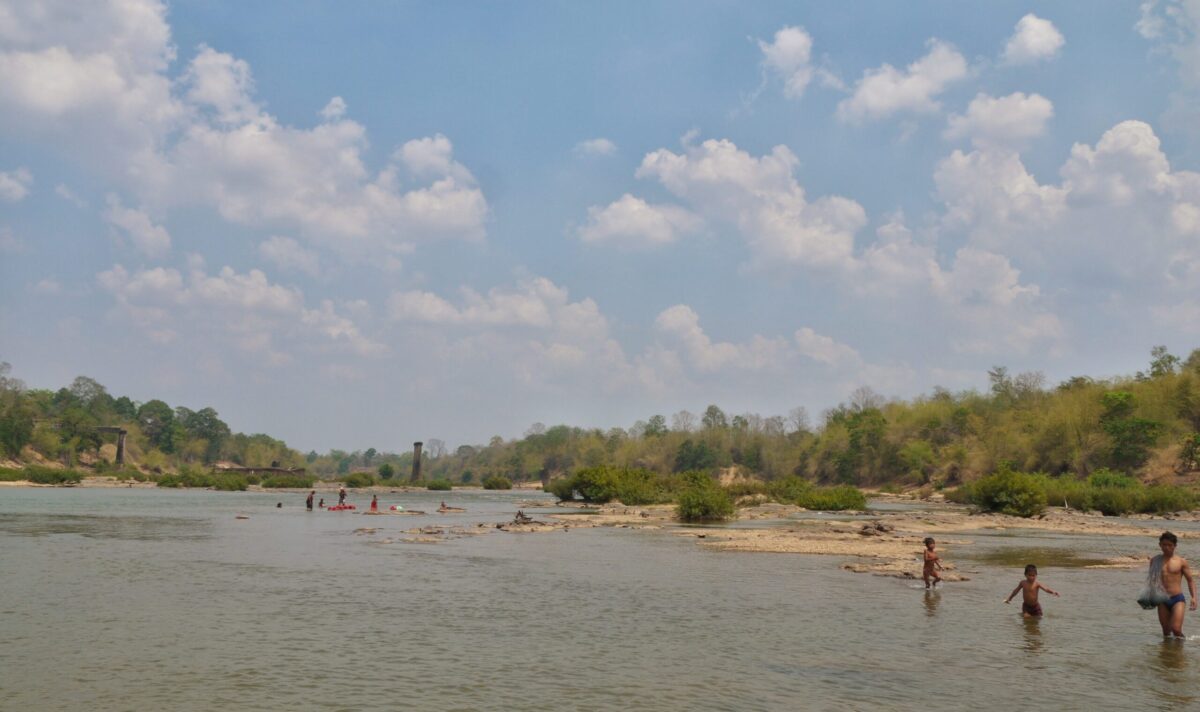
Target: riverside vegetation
<point>1126,444</point>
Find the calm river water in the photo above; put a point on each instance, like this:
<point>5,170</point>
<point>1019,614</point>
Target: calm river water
<point>163,600</point>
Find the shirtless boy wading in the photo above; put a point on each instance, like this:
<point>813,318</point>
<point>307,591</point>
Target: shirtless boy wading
<point>1174,569</point>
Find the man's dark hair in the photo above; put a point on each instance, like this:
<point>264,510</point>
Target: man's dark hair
<point>1168,536</point>
<point>1030,567</point>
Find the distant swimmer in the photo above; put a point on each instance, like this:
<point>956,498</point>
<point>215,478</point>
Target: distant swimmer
<point>279,505</point>
<point>1029,587</point>
<point>308,502</point>
<point>1170,570</point>
<point>374,503</point>
<point>932,561</point>
<point>341,496</point>
<point>321,504</point>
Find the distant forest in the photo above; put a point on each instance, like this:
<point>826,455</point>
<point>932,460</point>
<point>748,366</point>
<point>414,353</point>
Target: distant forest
<point>1147,425</point>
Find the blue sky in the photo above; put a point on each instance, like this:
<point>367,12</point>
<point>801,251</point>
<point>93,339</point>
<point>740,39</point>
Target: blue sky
<point>359,225</point>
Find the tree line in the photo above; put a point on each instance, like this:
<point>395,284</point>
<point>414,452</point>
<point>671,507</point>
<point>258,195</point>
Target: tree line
<point>1146,424</point>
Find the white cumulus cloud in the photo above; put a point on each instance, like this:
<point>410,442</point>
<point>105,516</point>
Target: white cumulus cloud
<point>761,199</point>
<point>633,222</point>
<point>1006,121</point>
<point>886,90</point>
<point>1034,39</point>
<point>153,240</point>
<point>789,55</point>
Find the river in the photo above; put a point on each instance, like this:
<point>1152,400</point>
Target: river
<point>141,599</point>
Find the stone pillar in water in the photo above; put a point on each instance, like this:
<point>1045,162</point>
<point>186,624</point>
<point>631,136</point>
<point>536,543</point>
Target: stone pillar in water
<point>416,471</point>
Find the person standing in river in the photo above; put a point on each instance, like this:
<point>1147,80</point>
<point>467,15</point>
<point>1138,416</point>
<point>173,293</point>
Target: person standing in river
<point>933,564</point>
<point>1173,569</point>
<point>341,496</point>
<point>308,502</point>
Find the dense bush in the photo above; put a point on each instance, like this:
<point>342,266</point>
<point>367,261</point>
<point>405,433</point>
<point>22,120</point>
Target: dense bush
<point>439,485</point>
<point>834,499</point>
<point>563,488</point>
<point>387,471</point>
<point>359,479</point>
<point>1105,477</point>
<point>195,478</point>
<point>802,493</point>
<point>497,482</point>
<point>1008,492</point>
<point>41,475</point>
<point>633,486</point>
<point>1110,493</point>
<point>228,482</point>
<point>295,481</point>
<point>702,499</point>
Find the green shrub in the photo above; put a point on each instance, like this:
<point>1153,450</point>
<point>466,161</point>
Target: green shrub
<point>638,487</point>
<point>789,490</point>
<point>1160,499</point>
<point>1008,492</point>
<point>802,493</point>
<point>8,474</point>
<point>1065,490</point>
<point>1111,501</point>
<point>228,482</point>
<point>563,488</point>
<point>294,481</point>
<point>49,476</point>
<point>703,502</point>
<point>387,471</point>
<point>1105,477</point>
<point>439,485</point>
<point>359,479</point>
<point>834,499</point>
<point>497,482</point>
<point>596,484</point>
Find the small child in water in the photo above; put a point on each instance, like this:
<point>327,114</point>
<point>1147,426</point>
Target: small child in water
<point>932,561</point>
<point>1029,586</point>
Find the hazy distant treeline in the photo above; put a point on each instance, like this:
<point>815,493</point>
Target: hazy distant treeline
<point>1147,424</point>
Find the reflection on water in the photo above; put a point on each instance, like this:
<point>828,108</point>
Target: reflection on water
<point>1175,686</point>
<point>932,598</point>
<point>166,600</point>
<point>1033,635</point>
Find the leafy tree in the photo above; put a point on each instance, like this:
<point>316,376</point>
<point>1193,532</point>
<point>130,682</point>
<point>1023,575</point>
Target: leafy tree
<point>1131,437</point>
<point>694,456</point>
<point>369,455</point>
<point>157,421</point>
<point>656,426</point>
<point>387,471</point>
<point>714,418</point>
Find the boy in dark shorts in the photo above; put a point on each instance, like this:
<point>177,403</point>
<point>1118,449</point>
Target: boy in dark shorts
<point>1029,587</point>
<point>932,562</point>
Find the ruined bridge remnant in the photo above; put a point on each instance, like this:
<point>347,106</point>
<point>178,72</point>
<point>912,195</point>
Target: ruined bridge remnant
<point>121,433</point>
<point>416,470</point>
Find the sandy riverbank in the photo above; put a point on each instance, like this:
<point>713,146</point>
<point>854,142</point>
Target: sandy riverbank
<point>879,542</point>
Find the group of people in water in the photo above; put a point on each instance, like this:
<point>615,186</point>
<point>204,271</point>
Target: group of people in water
<point>308,503</point>
<point>1164,585</point>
